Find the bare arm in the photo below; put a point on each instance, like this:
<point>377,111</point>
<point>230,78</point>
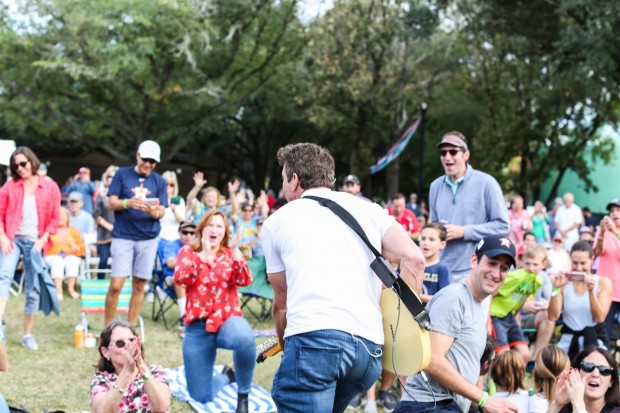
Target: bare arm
<point>199,182</point>
<point>397,247</point>
<point>278,308</point>
<point>601,302</point>
<point>448,376</point>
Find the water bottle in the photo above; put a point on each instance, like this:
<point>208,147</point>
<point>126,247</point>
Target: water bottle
<point>78,336</point>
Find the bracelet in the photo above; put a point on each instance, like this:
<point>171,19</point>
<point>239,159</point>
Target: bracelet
<point>482,402</point>
<point>115,386</point>
<point>555,291</point>
<point>618,235</point>
<point>147,375</point>
<point>125,203</point>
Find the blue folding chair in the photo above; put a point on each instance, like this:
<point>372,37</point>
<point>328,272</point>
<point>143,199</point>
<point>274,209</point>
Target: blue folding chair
<point>164,298</point>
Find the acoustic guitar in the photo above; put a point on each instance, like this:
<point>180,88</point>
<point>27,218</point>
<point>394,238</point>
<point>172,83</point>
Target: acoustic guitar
<point>407,345</point>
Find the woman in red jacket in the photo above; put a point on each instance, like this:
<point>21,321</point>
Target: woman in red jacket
<point>29,211</point>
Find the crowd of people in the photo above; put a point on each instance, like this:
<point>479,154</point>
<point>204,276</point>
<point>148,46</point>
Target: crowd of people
<point>481,267</point>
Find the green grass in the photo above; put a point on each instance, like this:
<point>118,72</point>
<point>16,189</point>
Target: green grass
<point>57,376</point>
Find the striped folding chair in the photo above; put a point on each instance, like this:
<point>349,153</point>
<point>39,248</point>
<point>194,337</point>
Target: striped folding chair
<point>93,293</point>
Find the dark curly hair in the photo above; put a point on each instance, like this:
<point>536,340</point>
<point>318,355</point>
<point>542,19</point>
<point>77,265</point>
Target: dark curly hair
<point>104,342</point>
<point>612,396</point>
<point>313,164</point>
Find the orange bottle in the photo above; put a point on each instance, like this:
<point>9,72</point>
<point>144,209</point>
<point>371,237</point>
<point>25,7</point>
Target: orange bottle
<point>78,336</point>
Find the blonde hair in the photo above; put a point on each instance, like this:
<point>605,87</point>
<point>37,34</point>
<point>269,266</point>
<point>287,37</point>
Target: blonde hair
<point>110,170</point>
<point>508,371</point>
<point>550,363</point>
<point>536,251</point>
<point>171,176</point>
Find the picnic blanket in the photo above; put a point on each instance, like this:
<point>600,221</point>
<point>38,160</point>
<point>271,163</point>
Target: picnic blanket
<point>260,400</point>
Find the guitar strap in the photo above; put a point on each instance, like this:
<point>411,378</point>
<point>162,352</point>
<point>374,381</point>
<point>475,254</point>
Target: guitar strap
<point>380,265</point>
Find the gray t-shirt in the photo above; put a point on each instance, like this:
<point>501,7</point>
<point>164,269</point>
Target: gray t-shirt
<point>455,313</point>
<point>29,225</point>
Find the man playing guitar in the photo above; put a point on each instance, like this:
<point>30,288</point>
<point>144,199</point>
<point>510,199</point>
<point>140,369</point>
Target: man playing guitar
<point>326,304</point>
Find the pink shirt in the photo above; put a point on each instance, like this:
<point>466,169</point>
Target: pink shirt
<point>609,262</point>
<point>47,196</point>
<point>518,223</point>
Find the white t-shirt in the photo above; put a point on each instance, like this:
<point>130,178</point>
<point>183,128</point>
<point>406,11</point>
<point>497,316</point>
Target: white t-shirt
<point>169,224</point>
<point>330,284</point>
<point>564,219</point>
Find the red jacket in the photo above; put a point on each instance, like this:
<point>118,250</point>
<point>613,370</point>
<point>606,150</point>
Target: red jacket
<point>47,196</point>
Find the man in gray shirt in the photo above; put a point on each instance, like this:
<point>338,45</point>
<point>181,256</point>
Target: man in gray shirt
<point>458,336</point>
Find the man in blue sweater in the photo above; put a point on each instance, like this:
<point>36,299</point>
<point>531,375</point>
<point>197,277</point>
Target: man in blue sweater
<point>469,203</point>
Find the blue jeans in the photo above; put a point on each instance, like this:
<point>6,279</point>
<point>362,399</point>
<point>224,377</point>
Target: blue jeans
<point>447,405</point>
<point>8,264</point>
<point>103,251</point>
<point>199,348</point>
<point>322,370</point>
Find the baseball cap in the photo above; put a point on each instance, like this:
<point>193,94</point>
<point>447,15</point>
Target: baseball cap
<point>75,196</point>
<point>186,224</point>
<point>452,140</point>
<point>149,150</point>
<point>494,246</point>
<point>613,202</point>
<point>84,170</point>
<point>584,230</point>
<point>351,178</point>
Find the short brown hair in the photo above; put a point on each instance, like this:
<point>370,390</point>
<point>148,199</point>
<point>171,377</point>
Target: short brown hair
<point>508,370</point>
<point>312,163</point>
<point>104,342</point>
<point>443,234</point>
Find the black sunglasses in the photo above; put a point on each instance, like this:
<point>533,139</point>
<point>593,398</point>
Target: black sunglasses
<point>247,210</point>
<point>22,164</point>
<point>121,343</point>
<point>149,160</point>
<point>452,152</point>
<point>188,233</point>
<point>589,368</point>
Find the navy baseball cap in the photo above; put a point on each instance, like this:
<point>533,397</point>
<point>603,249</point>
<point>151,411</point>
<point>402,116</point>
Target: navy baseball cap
<point>494,246</point>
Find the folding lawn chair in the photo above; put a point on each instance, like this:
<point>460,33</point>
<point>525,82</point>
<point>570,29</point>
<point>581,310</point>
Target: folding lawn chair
<point>93,293</point>
<point>164,298</point>
<point>259,292</point>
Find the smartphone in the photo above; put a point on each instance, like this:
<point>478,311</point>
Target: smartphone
<point>175,200</point>
<point>152,201</point>
<point>575,276</point>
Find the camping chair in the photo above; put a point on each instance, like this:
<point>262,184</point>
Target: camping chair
<point>17,283</point>
<point>93,300</point>
<point>164,298</point>
<point>259,292</point>
<point>90,264</point>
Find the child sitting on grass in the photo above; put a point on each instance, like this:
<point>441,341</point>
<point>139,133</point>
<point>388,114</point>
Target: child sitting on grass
<point>436,275</point>
<point>512,296</point>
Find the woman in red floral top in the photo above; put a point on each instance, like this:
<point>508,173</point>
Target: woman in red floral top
<point>124,383</point>
<point>210,271</point>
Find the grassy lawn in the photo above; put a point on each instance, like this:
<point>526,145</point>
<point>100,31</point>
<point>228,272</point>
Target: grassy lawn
<point>57,376</point>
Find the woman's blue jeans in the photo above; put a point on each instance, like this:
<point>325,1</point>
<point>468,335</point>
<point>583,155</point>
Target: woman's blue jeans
<point>322,370</point>
<point>8,264</point>
<point>199,348</point>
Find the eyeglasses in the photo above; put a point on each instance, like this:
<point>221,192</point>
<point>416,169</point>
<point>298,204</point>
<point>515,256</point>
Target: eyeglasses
<point>589,368</point>
<point>188,233</point>
<point>73,201</point>
<point>22,164</point>
<point>121,343</point>
<point>149,160</point>
<point>110,177</point>
<point>557,240</point>
<point>452,152</point>
<point>247,210</point>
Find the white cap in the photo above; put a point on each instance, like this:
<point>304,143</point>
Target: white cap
<point>149,150</point>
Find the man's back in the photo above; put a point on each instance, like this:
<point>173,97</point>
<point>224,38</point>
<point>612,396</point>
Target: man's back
<point>323,258</point>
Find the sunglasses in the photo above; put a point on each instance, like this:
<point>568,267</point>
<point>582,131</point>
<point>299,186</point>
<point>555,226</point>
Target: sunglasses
<point>73,201</point>
<point>188,233</point>
<point>122,343</point>
<point>22,164</point>
<point>247,210</point>
<point>149,160</point>
<point>171,185</point>
<point>452,152</point>
<point>589,368</point>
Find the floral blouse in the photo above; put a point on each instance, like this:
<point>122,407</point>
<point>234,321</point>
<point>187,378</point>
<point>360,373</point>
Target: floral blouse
<point>211,290</point>
<point>135,399</point>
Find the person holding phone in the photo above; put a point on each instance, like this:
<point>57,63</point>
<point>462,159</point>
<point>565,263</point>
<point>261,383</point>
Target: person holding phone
<point>584,304</point>
<point>607,247</point>
<point>123,381</point>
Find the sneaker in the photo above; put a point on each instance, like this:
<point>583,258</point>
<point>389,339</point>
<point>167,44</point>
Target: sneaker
<point>529,368</point>
<point>371,406</point>
<point>388,400</point>
<point>356,401</point>
<point>30,343</point>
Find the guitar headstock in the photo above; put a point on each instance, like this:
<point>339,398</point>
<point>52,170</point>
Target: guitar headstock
<point>268,348</point>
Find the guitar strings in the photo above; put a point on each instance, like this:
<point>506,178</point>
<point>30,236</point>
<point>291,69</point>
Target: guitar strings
<point>403,386</point>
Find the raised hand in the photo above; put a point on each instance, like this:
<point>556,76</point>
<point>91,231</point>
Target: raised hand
<point>199,179</point>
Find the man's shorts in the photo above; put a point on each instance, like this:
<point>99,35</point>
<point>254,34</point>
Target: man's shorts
<point>133,258</point>
<point>507,332</point>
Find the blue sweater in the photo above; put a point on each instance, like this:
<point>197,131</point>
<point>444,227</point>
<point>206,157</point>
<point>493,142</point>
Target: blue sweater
<point>478,206</point>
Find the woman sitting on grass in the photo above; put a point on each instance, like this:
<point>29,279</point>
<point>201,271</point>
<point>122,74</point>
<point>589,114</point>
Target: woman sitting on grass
<point>123,381</point>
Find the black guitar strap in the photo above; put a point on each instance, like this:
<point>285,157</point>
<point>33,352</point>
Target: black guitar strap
<point>380,265</point>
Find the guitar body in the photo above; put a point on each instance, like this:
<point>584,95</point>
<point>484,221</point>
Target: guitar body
<point>407,345</point>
